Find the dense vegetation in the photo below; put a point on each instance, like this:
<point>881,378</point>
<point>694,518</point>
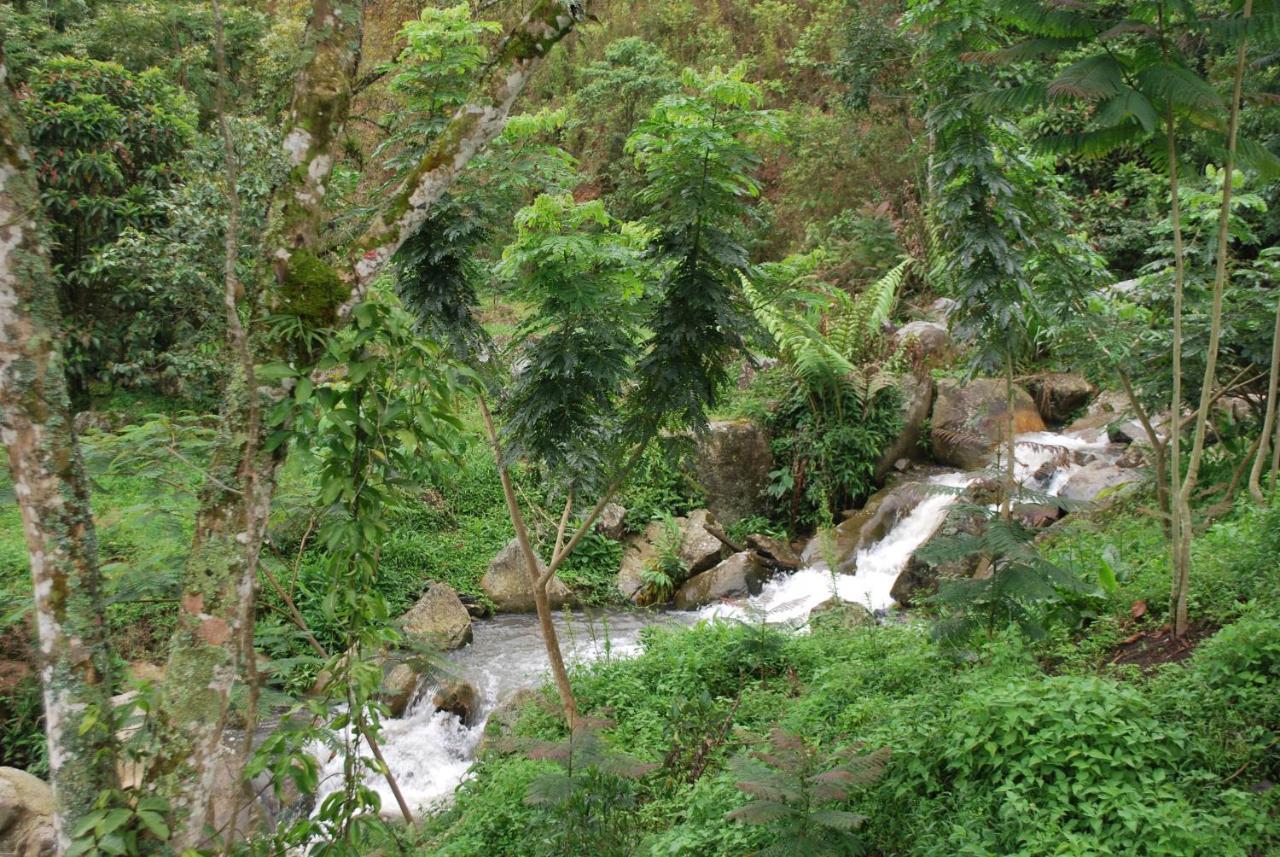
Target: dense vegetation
<point>307,307</point>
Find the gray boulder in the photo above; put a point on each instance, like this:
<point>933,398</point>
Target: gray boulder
<point>26,815</point>
<point>1058,395</point>
<point>438,618</point>
<point>930,340</point>
<point>612,522</point>
<point>1100,480</point>
<point>699,550</point>
<point>399,685</point>
<point>844,615</point>
<point>508,586</point>
<point>737,577</point>
<point>971,420</point>
<point>732,467</point>
<point>459,698</point>
<point>639,553</point>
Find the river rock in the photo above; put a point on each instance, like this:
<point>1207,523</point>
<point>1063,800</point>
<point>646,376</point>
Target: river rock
<point>612,521</point>
<point>1100,480</point>
<point>399,683</point>
<point>458,698</point>
<point>970,420</point>
<point>639,553</point>
<point>699,550</point>
<point>928,339</point>
<point>941,310</point>
<point>439,618</point>
<point>775,551</point>
<point>26,815</point>
<point>835,548</point>
<point>732,467</point>
<point>917,401</point>
<point>1109,407</point>
<point>737,577</point>
<point>508,586</point>
<point>844,615</point>
<point>1059,395</point>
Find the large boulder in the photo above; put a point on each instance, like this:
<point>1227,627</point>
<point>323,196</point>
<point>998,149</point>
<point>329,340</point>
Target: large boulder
<point>970,420</point>
<point>26,815</point>
<point>732,467</point>
<point>695,550</point>
<point>508,586</point>
<point>439,618</point>
<point>1059,395</point>
<point>699,550</point>
<point>928,340</point>
<point>458,698</point>
<point>612,523</point>
<point>1110,408</point>
<point>737,577</point>
<point>399,686</point>
<point>843,615</point>
<point>1100,480</point>
<point>835,548</point>
<point>639,553</point>
<point>917,401</point>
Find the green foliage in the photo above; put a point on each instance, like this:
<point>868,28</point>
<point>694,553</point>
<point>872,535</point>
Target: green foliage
<point>587,802</point>
<point>121,824</point>
<point>825,447</point>
<point>1062,760</point>
<point>591,571</point>
<point>22,740</point>
<point>660,484</point>
<point>698,164</point>
<point>107,144</point>
<point>794,785</point>
<point>579,268</point>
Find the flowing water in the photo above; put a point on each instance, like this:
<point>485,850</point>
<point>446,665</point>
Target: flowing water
<point>429,751</point>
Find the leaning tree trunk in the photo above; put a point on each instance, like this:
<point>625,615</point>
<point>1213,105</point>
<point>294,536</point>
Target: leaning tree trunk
<point>1268,421</point>
<point>52,492</point>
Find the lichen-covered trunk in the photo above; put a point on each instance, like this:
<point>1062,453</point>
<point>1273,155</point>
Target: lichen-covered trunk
<point>213,643</point>
<point>52,493</point>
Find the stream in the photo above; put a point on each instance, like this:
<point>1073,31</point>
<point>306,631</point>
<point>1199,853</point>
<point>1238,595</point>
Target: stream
<point>430,751</point>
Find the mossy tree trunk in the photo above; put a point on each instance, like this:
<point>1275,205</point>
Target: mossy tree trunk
<point>51,488</point>
<point>212,646</point>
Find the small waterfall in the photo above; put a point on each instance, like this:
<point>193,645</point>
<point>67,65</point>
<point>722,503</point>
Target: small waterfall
<point>430,752</point>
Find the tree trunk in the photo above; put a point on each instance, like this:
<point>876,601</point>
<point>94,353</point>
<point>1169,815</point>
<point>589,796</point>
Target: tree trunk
<point>1268,422</point>
<point>52,491</point>
<point>1220,277</point>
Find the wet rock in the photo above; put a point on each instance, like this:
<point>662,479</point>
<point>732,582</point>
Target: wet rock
<point>1100,481</point>
<point>1036,515</point>
<point>732,466</point>
<point>929,339</point>
<point>699,550</point>
<point>399,684</point>
<point>1059,395</point>
<point>844,615</point>
<point>774,550</point>
<point>105,422</point>
<point>640,553</point>
<point>970,420</point>
<point>508,586</point>
<point>26,815</point>
<point>1109,408</point>
<point>612,522</point>
<point>737,577</point>
<point>439,618</point>
<point>919,579</point>
<point>917,402</point>
<point>476,608</point>
<point>694,550</point>
<point>458,698</point>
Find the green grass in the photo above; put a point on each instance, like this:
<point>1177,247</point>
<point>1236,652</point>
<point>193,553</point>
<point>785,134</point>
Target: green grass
<point>1159,763</point>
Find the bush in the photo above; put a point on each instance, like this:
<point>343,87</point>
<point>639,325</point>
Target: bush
<point>1059,765</point>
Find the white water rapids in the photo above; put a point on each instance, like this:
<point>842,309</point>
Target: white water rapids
<point>429,752</point>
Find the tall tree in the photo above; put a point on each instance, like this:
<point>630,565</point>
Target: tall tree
<point>212,644</point>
